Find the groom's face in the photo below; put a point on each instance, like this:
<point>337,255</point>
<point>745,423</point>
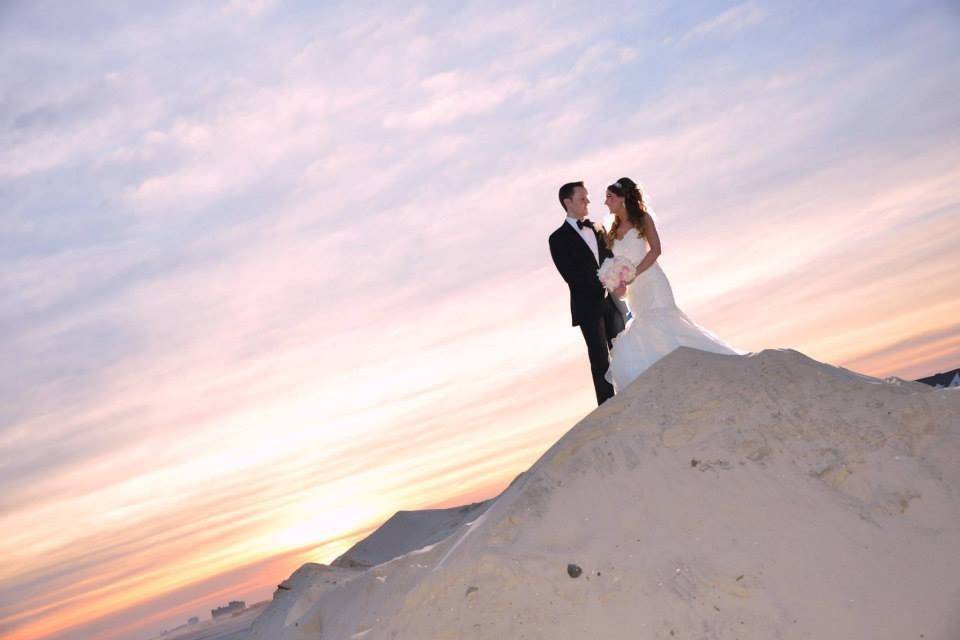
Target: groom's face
<point>578,203</point>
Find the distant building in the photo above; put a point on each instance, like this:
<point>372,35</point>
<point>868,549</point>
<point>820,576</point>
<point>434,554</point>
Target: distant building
<point>233,607</point>
<point>193,620</point>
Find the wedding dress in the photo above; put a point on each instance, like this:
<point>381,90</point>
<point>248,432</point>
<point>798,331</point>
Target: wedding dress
<point>658,325</point>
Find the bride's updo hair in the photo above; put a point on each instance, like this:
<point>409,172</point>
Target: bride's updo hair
<point>633,200</point>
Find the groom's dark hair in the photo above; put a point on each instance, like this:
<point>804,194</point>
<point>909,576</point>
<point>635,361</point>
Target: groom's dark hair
<point>566,192</point>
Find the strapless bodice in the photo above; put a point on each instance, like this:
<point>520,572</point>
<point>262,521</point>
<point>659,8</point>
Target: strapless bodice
<point>631,246</point>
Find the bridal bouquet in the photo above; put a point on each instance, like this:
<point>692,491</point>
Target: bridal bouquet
<point>616,271</point>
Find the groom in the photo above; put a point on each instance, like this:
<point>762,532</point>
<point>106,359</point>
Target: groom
<point>578,250</point>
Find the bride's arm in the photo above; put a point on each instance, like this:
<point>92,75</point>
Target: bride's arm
<point>653,239</point>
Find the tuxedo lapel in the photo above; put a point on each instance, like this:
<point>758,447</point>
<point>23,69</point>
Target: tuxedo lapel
<point>577,240</point>
<point>602,250</point>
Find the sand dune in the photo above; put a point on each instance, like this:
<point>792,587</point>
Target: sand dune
<point>407,531</point>
<point>718,497</point>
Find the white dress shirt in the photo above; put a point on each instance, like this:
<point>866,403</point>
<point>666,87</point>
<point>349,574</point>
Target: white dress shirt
<point>588,236</point>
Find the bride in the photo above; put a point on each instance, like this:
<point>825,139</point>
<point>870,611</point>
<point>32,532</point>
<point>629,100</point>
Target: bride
<point>658,326</point>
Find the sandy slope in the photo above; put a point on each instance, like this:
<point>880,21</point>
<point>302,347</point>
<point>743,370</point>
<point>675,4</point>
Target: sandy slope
<point>407,531</point>
<point>768,496</point>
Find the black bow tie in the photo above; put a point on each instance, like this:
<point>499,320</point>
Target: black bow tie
<point>586,222</point>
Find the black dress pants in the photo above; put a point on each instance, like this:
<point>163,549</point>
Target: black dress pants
<point>598,349</point>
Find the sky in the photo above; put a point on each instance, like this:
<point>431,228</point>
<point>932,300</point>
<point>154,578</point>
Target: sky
<point>272,271</point>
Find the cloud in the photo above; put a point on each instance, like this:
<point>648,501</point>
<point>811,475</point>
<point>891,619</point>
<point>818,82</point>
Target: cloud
<point>727,23</point>
<point>249,8</point>
<point>452,98</point>
<point>916,350</point>
<point>249,136</point>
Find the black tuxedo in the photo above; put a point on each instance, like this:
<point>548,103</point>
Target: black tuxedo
<point>591,308</point>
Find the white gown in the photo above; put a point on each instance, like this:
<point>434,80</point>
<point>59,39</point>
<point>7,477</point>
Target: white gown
<point>658,325</point>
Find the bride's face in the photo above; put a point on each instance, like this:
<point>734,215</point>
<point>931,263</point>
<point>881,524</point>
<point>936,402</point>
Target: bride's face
<point>615,204</point>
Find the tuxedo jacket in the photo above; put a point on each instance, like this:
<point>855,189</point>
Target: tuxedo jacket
<point>576,264</point>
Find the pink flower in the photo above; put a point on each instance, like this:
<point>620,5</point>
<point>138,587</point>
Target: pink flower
<point>616,272</point>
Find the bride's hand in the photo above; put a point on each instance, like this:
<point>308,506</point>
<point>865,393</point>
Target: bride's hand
<point>620,291</point>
